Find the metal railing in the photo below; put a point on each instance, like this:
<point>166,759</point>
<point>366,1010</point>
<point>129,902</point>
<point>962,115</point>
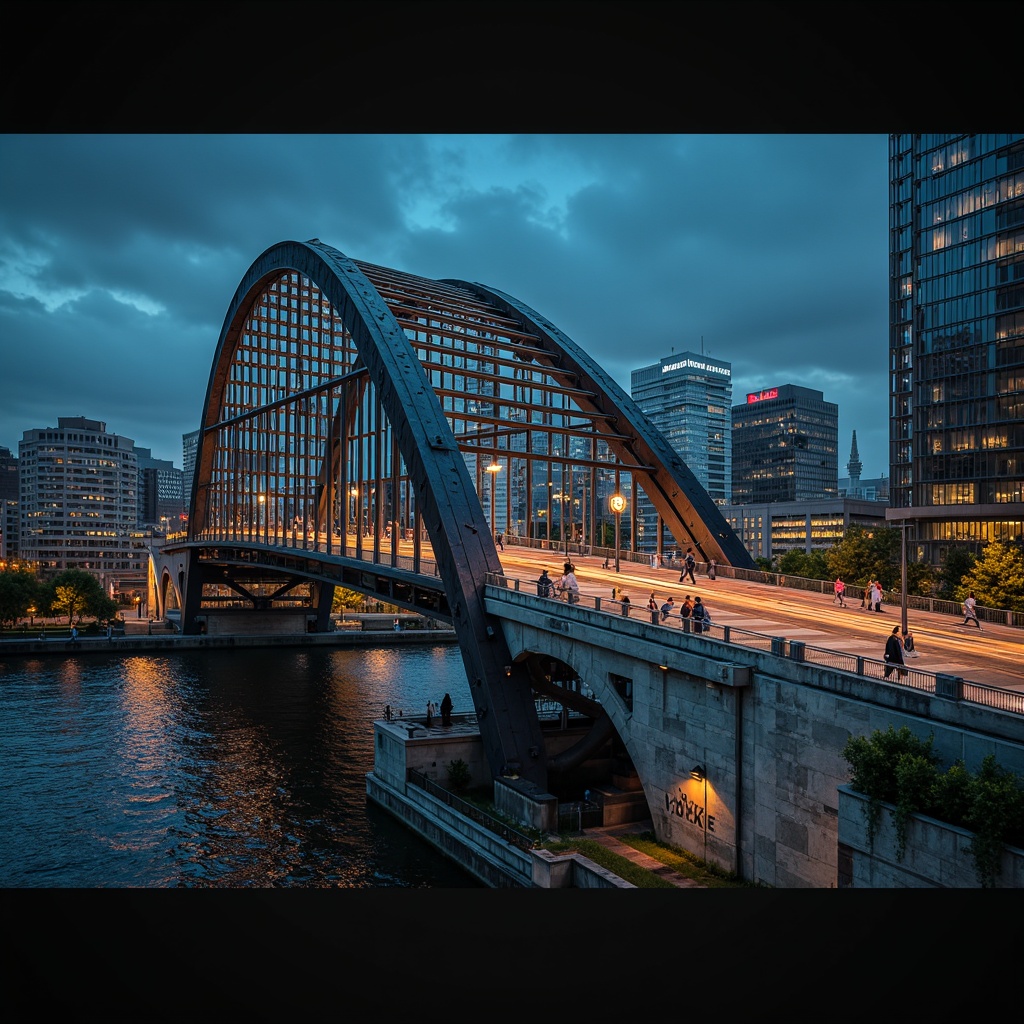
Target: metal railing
<point>1003,616</point>
<point>464,807</point>
<point>937,684</point>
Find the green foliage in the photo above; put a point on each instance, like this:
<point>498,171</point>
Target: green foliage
<point>896,767</point>
<point>19,591</point>
<point>873,765</point>
<point>996,577</point>
<point>459,775</point>
<point>346,599</point>
<point>867,554</point>
<point>810,566</point>
<point>955,566</point>
<point>764,564</point>
<point>74,593</point>
<point>996,816</point>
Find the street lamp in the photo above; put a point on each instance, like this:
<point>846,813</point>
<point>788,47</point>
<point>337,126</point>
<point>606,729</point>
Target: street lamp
<point>617,504</point>
<point>494,469</point>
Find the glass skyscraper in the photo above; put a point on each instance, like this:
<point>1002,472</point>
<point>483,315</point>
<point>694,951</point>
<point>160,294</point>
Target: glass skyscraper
<point>785,446</point>
<point>956,339</point>
<point>687,397</point>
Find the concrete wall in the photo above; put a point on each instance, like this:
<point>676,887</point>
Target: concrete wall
<point>936,855</point>
<point>769,730</point>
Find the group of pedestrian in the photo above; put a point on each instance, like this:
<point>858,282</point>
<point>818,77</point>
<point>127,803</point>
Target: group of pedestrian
<point>872,597</point>
<point>567,584</point>
<point>692,610</point>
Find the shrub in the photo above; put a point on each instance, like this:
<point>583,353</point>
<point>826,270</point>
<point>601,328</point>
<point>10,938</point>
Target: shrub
<point>459,775</point>
<point>898,768</point>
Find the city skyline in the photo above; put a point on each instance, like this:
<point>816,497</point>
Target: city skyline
<point>766,251</point>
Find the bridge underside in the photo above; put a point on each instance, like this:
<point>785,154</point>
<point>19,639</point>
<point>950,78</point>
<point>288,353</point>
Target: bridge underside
<point>373,430</point>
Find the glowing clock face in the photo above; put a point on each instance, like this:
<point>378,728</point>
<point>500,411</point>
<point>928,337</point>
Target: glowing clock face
<point>617,502</point>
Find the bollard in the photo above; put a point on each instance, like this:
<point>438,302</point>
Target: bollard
<point>796,650</point>
<point>779,646</point>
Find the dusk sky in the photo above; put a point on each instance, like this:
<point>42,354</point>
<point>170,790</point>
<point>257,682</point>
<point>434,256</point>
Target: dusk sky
<point>119,255</point>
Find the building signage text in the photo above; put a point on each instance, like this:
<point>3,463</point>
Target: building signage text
<point>760,396</point>
<point>683,807</point>
<point>696,364</point>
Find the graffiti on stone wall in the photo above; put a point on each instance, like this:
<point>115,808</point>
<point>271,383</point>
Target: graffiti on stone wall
<point>683,807</point>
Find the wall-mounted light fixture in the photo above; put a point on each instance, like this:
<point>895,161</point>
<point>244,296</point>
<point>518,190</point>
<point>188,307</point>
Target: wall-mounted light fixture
<point>698,772</point>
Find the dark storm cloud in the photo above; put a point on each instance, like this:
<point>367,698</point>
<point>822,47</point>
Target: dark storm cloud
<point>119,255</point>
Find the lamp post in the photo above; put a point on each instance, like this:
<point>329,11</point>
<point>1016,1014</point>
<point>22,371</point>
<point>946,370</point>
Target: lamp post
<point>494,469</point>
<point>903,577</point>
<point>617,503</point>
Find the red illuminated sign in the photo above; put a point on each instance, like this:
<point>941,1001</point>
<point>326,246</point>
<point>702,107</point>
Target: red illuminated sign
<point>760,396</point>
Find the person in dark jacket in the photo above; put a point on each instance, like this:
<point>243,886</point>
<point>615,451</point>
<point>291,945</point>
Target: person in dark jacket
<point>446,710</point>
<point>894,653</point>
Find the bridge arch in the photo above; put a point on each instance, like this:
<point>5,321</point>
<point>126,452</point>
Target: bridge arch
<point>352,417</point>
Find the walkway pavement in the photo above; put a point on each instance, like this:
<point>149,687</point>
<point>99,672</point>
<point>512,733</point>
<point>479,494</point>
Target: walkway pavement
<point>608,837</point>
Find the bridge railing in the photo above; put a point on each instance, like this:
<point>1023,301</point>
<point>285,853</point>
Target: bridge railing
<point>937,684</point>
<point>471,811</point>
<point>915,602</point>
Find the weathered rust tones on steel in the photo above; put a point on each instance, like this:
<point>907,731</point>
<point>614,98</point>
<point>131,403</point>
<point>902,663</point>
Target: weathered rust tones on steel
<point>694,515</point>
<point>445,494</point>
<point>418,375</point>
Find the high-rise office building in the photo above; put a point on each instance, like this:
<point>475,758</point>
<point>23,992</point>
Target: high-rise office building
<point>785,446</point>
<point>78,506</point>
<point>956,340</point>
<point>687,397</point>
<point>9,545</point>
<point>189,450</point>
<point>161,498</point>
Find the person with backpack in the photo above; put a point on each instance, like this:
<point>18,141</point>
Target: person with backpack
<point>545,584</point>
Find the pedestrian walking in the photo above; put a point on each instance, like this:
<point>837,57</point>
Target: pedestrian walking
<point>970,610</point>
<point>689,564</point>
<point>838,589</point>
<point>877,596</point>
<point>446,710</point>
<point>430,713</point>
<point>712,566</point>
<point>894,654</point>
<point>501,541</point>
<point>652,602</point>
<point>866,596</point>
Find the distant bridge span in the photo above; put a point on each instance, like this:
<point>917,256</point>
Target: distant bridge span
<point>372,429</point>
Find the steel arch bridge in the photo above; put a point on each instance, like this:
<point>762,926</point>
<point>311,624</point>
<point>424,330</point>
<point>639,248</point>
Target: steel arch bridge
<point>372,429</point>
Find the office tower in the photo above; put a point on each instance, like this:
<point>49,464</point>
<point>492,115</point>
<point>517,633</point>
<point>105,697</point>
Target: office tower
<point>687,397</point>
<point>189,450</point>
<point>79,501</point>
<point>785,443</point>
<point>8,504</point>
<point>161,498</point>
<point>956,340</point>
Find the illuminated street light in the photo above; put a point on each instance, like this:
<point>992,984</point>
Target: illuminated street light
<point>617,504</point>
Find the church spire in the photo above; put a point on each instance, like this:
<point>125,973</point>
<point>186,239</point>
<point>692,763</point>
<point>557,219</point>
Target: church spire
<point>854,466</point>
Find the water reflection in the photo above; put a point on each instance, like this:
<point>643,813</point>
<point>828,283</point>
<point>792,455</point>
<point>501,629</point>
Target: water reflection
<point>211,769</point>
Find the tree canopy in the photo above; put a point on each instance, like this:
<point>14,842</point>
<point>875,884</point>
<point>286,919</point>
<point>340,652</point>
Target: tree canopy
<point>996,577</point>
<point>19,591</point>
<point>76,592</point>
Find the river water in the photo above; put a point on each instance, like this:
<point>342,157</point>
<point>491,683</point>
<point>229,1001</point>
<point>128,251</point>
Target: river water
<point>212,769</point>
